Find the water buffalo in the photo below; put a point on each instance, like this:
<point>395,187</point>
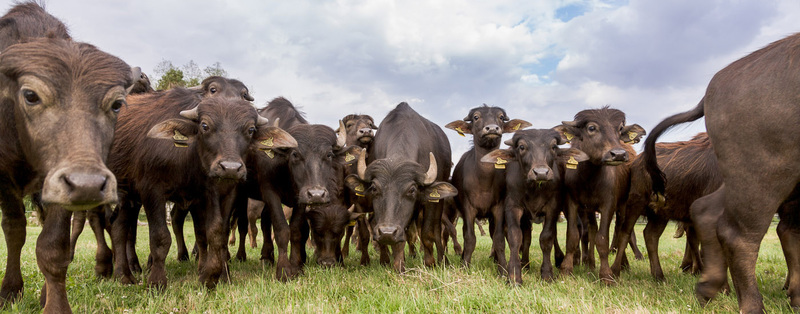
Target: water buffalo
<point>46,79</point>
<point>755,95</point>
<point>359,129</point>
<point>195,155</point>
<point>399,189</point>
<point>309,179</point>
<point>599,184</point>
<point>691,168</point>
<point>481,186</point>
<point>534,167</point>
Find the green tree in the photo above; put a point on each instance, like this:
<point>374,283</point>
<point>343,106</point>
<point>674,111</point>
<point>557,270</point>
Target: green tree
<point>186,76</point>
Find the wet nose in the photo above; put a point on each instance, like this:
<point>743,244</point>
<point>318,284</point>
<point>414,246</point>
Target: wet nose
<point>327,262</point>
<point>619,154</point>
<point>85,187</point>
<point>318,195</point>
<point>492,128</point>
<point>388,234</point>
<point>365,132</point>
<point>541,173</point>
<point>230,168</point>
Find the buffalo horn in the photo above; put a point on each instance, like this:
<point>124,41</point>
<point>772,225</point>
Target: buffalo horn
<point>262,121</point>
<point>570,123</point>
<point>190,114</point>
<point>341,138</point>
<point>362,166</point>
<point>430,177</point>
<point>509,142</point>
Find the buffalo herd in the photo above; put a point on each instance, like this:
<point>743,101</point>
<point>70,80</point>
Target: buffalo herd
<point>209,152</point>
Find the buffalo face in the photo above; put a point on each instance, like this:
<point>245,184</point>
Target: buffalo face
<point>600,133</point>
<point>65,110</point>
<point>487,125</point>
<point>537,153</point>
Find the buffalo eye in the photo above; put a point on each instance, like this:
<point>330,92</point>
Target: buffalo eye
<point>251,131</point>
<point>31,98</point>
<point>521,147</point>
<point>204,126</point>
<point>592,128</point>
<point>212,90</point>
<point>502,117</point>
<point>349,125</point>
<point>117,105</point>
<point>373,189</point>
<point>412,192</point>
<point>330,155</point>
<point>295,154</point>
<point>475,117</point>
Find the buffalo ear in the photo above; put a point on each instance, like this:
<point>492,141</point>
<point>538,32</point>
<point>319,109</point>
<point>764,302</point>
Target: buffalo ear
<point>572,156</point>
<point>439,190</point>
<point>355,184</point>
<point>499,156</point>
<point>181,131</point>
<point>270,137</point>
<point>567,132</point>
<point>632,134</point>
<point>459,126</point>
<point>349,155</point>
<point>515,125</point>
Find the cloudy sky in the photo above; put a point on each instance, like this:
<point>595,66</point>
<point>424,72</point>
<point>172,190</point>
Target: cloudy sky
<point>543,61</point>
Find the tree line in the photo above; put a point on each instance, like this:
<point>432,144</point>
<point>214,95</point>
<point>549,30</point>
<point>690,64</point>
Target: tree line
<point>184,76</point>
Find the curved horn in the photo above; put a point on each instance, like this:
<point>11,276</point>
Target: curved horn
<point>362,166</point>
<point>190,114</point>
<point>570,123</point>
<point>351,209</point>
<point>275,122</point>
<point>341,137</point>
<point>262,121</point>
<point>509,142</point>
<point>430,177</point>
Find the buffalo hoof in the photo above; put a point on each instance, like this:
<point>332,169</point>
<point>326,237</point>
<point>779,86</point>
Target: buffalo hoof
<point>43,296</point>
<point>607,279</point>
<point>183,256</point>
<point>548,276</point>
<point>458,250</point>
<point>514,282</point>
<point>10,293</point>
<point>241,257</point>
<point>157,280</point>
<point>364,260</point>
<point>285,271</point>
<point>127,280</point>
<point>268,261</point>
<point>104,270</point>
<point>638,256</point>
<point>705,292</point>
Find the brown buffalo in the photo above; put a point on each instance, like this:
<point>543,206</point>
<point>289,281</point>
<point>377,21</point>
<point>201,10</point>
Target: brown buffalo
<point>534,168</point>
<point>194,155</point>
<point>691,168</point>
<point>481,186</point>
<point>752,117</point>
<point>601,183</point>
<point>359,133</point>
<point>60,100</point>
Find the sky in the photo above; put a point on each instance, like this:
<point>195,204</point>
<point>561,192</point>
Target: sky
<point>542,61</point>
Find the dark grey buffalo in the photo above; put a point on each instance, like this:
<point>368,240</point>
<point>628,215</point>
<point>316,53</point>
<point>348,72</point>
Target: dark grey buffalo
<point>409,164</point>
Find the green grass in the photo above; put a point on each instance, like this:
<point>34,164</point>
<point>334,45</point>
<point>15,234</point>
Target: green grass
<point>449,288</point>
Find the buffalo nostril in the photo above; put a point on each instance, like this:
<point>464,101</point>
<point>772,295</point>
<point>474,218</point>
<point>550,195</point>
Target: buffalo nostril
<point>365,131</point>
<point>619,155</point>
<point>317,194</point>
<point>387,230</point>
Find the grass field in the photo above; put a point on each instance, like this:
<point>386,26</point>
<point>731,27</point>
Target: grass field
<point>449,288</point>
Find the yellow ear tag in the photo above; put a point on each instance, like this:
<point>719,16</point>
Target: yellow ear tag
<point>517,127</point>
<point>500,163</point>
<point>435,196</point>
<point>179,137</point>
<point>269,153</point>
<point>572,163</point>
<point>359,190</point>
<point>569,137</point>
<point>268,142</point>
<point>348,157</point>
<point>460,132</point>
<point>632,135</point>
<point>352,223</point>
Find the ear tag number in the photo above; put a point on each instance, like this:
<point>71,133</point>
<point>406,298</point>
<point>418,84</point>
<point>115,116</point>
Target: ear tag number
<point>500,163</point>
<point>569,137</point>
<point>517,127</point>
<point>632,135</point>
<point>359,190</point>
<point>268,142</point>
<point>434,196</point>
<point>572,163</point>
<point>348,157</point>
<point>180,139</point>
<point>460,132</point>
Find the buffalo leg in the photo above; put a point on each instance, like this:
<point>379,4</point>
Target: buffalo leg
<point>602,244</point>
<point>363,239</point>
<point>133,225</point>
<point>652,233</point>
<point>103,257</point>
<point>706,211</point>
<point>789,235</point>
<point>398,257</point>
<point>573,237</point>
<point>160,240</point>
<point>513,215</point>
<point>78,223</point>
<point>468,230</point>
<point>284,269</point>
<point>52,256</point>
<point>546,241</point>
<point>119,242</point>
<point>526,226</point>
<point>178,219</point>
<point>14,232</point>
